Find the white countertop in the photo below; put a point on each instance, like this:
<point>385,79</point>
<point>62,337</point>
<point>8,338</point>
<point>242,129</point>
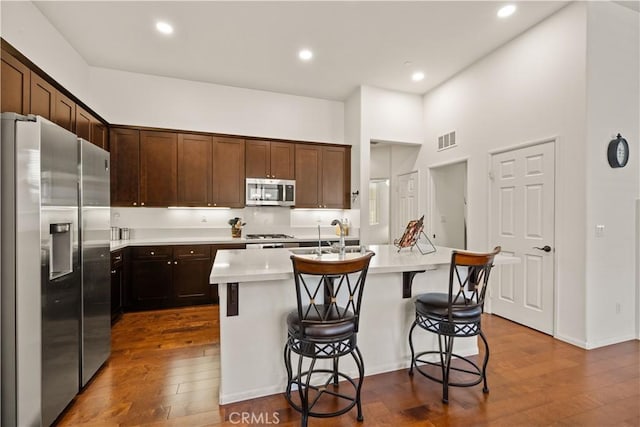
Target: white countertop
<point>213,240</point>
<point>233,266</point>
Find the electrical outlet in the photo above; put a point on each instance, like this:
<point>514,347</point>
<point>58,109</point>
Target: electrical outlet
<point>599,230</point>
<point>204,219</point>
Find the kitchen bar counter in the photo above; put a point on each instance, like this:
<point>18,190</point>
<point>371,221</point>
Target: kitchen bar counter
<point>260,293</point>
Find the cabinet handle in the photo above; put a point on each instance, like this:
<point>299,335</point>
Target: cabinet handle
<point>215,204</point>
<point>118,258</point>
<point>135,204</point>
<point>113,272</point>
<point>175,262</point>
<point>153,253</point>
<point>208,204</point>
<point>267,175</point>
<point>142,204</point>
<point>169,262</point>
<point>190,252</point>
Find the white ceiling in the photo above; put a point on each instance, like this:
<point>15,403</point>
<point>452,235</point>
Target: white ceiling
<point>255,44</point>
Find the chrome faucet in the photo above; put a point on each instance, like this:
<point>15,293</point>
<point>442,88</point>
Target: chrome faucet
<point>342,245</point>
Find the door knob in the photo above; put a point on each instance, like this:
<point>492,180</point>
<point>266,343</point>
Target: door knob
<point>545,248</point>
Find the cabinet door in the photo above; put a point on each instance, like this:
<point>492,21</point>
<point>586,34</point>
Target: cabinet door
<point>125,167</point>
<point>117,284</point>
<point>151,283</point>
<point>194,170</point>
<point>191,281</point>
<point>43,97</point>
<point>283,160</point>
<point>258,159</point>
<point>336,185</point>
<point>15,85</point>
<point>83,123</point>
<point>100,134</point>
<point>158,168</point>
<point>228,172</point>
<point>65,112</point>
<point>308,179</point>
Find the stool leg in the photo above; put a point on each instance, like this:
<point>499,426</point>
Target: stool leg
<point>335,371</point>
<point>485,389</point>
<point>357,356</point>
<point>413,360</point>
<point>446,366</point>
<point>287,365</point>
<point>303,393</point>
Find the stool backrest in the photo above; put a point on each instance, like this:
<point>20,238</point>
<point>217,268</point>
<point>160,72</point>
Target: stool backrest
<point>468,278</point>
<point>327,291</point>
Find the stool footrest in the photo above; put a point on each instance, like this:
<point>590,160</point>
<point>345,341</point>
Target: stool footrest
<point>474,370</point>
<point>326,388</point>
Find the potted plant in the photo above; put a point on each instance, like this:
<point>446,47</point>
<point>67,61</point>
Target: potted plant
<point>236,226</point>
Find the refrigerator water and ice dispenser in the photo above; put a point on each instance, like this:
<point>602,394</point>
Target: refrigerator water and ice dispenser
<point>60,250</point>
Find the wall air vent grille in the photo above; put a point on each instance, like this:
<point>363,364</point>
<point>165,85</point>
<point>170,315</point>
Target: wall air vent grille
<point>447,140</point>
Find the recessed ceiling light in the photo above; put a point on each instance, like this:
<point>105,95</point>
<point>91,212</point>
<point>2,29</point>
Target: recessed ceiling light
<point>506,11</point>
<point>305,54</point>
<point>417,76</point>
<point>164,28</point>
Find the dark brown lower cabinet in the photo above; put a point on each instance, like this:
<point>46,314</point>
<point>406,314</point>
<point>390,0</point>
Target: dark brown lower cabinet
<point>117,283</point>
<point>191,269</point>
<point>172,276</point>
<point>151,284</point>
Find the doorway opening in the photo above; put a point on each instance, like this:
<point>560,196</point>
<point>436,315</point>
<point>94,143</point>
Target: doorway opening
<point>449,205</point>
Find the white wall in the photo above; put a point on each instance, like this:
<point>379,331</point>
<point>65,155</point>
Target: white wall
<point>528,90</point>
<point>145,100</point>
<point>613,105</point>
<point>26,29</point>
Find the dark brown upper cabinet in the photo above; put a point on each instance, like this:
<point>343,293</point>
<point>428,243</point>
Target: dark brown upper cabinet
<point>336,177</point>
<point>65,112</point>
<point>270,159</point>
<point>228,172</point>
<point>43,97</point>
<point>83,123</point>
<point>15,87</point>
<point>100,134</point>
<point>158,168</point>
<point>90,128</point>
<point>195,161</point>
<point>323,179</point>
<point>125,166</point>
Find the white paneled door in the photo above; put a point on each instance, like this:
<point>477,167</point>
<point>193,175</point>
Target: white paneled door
<point>522,222</point>
<point>408,189</point>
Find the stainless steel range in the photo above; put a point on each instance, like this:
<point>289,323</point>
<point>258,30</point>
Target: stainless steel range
<point>269,236</point>
<point>270,245</point>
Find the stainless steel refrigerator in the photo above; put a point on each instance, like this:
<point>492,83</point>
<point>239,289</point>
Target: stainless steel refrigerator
<point>95,258</point>
<point>40,292</point>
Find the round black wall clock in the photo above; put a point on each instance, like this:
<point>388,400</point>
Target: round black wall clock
<point>618,152</point>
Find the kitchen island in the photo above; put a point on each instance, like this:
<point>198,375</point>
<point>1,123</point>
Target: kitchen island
<point>259,292</point>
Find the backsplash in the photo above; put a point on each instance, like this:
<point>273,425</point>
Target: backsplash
<point>190,222</point>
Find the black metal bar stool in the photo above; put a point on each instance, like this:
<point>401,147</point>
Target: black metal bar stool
<point>456,314</point>
<point>325,326</point>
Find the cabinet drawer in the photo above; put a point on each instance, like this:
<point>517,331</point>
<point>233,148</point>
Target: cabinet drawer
<point>191,251</point>
<point>151,252</point>
<point>117,258</point>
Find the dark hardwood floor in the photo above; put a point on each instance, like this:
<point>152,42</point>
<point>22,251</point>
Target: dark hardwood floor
<point>164,371</point>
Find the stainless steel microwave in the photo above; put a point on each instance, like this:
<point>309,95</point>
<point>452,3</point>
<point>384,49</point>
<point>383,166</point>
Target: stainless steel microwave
<point>270,192</point>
